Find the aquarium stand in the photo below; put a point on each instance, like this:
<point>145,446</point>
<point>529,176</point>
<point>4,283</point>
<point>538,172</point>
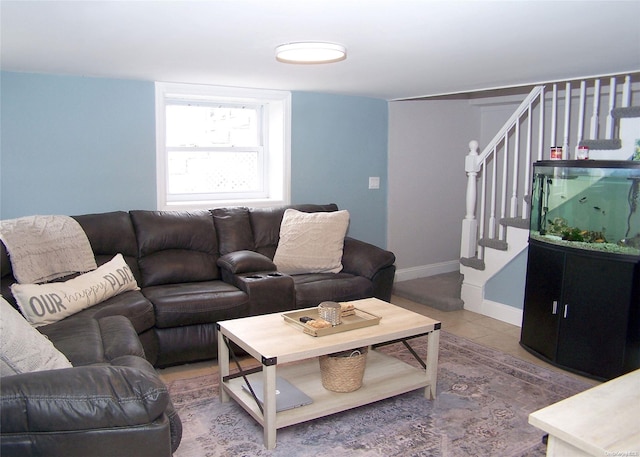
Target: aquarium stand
<point>581,310</point>
<point>582,294</point>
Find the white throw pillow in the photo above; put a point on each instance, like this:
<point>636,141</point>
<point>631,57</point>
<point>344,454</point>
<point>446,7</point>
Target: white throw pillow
<point>43,304</point>
<point>311,242</point>
<point>23,349</point>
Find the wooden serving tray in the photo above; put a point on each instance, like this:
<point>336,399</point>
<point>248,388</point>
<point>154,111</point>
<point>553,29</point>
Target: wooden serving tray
<point>358,319</point>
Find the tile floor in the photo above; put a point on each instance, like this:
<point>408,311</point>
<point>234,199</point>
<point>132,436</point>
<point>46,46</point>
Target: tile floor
<point>481,329</point>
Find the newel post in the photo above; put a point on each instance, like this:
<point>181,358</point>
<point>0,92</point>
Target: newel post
<point>470,223</point>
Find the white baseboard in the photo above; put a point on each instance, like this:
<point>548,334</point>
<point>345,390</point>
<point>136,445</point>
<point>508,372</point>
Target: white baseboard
<point>499,311</point>
<point>424,271</point>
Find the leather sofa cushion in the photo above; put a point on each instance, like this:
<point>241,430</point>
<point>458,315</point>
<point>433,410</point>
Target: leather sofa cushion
<point>192,343</point>
<point>311,289</point>
<point>205,302</point>
<point>133,361</point>
<point>125,397</point>
<point>245,262</point>
<point>313,208</point>
<point>119,339</point>
<point>133,305</point>
<point>110,234</point>
<point>89,341</point>
<point>359,259</point>
<point>175,247</point>
<point>5,263</point>
<point>266,228</point>
<point>141,364</point>
<point>233,228</point>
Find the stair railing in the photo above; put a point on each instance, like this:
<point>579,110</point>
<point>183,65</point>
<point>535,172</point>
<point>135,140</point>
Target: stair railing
<point>485,165</point>
<point>504,166</point>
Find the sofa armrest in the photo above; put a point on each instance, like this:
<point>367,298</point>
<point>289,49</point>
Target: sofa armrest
<point>364,259</point>
<point>81,398</point>
<point>239,262</point>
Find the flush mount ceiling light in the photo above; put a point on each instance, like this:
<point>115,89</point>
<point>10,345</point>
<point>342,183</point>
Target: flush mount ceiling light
<point>310,52</point>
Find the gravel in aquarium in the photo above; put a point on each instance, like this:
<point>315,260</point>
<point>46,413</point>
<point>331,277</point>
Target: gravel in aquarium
<point>600,247</point>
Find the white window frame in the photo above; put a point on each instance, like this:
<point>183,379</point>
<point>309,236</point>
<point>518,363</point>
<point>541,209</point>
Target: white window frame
<point>277,143</point>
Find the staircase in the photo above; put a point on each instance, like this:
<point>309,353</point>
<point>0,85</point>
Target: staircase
<point>597,113</point>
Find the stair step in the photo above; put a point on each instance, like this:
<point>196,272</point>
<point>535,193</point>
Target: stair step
<point>630,111</point>
<point>605,145</point>
<point>493,243</point>
<point>615,143</point>
<point>440,291</point>
<point>472,262</point>
<point>517,222</point>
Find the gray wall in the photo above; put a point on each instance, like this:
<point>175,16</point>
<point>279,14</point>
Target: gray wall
<point>428,142</point>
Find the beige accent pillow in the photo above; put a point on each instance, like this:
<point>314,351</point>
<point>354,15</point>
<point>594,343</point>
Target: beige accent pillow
<point>311,242</point>
<point>43,304</point>
<point>23,349</point>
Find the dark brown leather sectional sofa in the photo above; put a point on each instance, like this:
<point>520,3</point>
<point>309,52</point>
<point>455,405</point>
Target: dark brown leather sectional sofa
<point>194,268</point>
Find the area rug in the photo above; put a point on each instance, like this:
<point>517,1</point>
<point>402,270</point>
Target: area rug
<point>483,401</point>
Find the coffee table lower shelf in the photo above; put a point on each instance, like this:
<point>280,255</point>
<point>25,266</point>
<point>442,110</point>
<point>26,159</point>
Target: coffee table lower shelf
<point>384,377</point>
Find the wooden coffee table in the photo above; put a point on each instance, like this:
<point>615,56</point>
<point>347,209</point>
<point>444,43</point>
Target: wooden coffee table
<point>276,344</point>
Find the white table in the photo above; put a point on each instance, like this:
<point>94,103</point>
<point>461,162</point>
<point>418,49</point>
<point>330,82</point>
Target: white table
<point>602,421</point>
<point>274,342</point>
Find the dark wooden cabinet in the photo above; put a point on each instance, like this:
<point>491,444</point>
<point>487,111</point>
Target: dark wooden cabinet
<point>581,310</point>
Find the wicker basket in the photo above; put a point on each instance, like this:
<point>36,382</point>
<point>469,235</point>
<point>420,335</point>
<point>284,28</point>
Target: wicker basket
<point>343,372</point>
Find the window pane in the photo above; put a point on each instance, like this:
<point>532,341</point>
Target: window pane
<point>202,172</point>
<point>194,125</point>
<point>221,145</point>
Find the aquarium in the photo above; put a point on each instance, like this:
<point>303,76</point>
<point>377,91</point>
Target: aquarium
<point>587,204</point>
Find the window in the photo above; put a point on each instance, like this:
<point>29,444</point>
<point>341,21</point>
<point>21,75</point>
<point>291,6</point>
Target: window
<point>219,146</point>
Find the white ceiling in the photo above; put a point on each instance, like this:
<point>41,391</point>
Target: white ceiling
<point>396,48</point>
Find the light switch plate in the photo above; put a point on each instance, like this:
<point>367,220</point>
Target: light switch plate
<point>374,182</point>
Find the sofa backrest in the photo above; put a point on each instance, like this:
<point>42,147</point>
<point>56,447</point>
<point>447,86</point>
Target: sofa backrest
<point>175,246</point>
<point>6,275</point>
<point>170,247</point>
<point>233,229</point>
<point>110,234</point>
<point>255,229</point>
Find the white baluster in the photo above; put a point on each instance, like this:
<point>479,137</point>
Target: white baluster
<point>583,95</point>
<point>567,113</point>
<point>626,92</point>
<point>483,201</point>
<point>514,184</point>
<point>470,224</point>
<point>612,104</point>
<point>554,115</point>
<point>541,127</point>
<point>483,197</point>
<point>527,162</point>
<point>596,110</point>
<point>494,192</point>
<point>503,192</point>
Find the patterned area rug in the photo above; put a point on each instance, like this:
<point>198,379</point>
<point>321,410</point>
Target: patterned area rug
<point>483,401</point>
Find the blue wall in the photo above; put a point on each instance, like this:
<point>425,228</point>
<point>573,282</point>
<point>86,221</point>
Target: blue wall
<point>338,142</point>
<point>75,145</point>
<point>507,286</point>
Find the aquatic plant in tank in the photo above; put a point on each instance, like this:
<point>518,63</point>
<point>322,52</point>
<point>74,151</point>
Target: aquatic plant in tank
<point>591,205</point>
